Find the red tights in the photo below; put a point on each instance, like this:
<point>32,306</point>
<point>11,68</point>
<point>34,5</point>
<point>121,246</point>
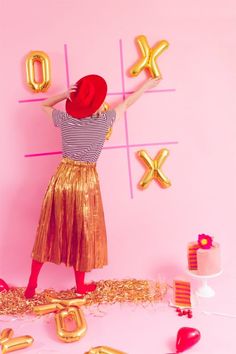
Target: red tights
<point>36,266</point>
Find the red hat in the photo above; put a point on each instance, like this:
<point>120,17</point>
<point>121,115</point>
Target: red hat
<point>88,97</point>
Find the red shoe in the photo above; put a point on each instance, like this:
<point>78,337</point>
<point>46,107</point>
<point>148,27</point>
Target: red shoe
<point>29,292</point>
<point>86,288</point>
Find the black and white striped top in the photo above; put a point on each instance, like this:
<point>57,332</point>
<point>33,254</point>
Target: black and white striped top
<point>83,139</point>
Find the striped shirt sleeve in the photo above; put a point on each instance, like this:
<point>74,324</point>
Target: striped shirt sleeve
<point>110,117</point>
<point>58,117</point>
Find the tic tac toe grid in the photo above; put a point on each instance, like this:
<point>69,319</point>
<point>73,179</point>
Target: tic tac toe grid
<point>123,93</point>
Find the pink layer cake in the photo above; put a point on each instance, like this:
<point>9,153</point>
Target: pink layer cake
<point>204,256</point>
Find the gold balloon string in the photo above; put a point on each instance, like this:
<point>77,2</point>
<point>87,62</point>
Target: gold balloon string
<point>133,291</point>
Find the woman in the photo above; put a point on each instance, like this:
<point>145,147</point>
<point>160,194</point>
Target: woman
<point>71,227</point>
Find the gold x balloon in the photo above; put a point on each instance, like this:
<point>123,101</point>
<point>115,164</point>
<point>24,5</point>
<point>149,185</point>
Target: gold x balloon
<point>154,168</point>
<point>10,344</point>
<point>150,55</point>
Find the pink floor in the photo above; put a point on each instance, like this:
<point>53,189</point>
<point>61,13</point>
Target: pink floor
<point>139,329</point>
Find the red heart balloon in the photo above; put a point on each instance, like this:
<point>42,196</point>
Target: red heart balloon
<point>3,285</point>
<point>186,337</point>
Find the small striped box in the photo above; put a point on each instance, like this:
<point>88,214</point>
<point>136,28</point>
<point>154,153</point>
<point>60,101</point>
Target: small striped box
<point>182,293</point>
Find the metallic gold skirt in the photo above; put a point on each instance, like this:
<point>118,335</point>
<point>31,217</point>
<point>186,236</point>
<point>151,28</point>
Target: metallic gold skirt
<point>71,227</point>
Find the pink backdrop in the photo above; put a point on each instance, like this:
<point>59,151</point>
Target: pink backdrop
<point>193,116</point>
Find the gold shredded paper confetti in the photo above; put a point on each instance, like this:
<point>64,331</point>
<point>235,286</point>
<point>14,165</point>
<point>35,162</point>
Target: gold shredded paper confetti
<point>13,302</point>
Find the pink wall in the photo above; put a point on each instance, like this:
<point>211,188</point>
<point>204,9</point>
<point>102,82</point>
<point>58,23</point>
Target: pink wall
<point>149,232</point>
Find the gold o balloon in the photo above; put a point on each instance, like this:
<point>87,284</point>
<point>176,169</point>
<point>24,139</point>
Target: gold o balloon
<point>65,309</point>
<point>43,59</point>
<point>149,56</point>
<point>77,315</point>
<point>154,168</point>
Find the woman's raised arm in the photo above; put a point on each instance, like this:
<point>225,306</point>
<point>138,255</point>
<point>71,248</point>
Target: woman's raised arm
<point>133,97</point>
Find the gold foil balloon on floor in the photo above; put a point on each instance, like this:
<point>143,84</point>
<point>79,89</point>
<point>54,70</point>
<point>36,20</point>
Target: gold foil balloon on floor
<point>6,334</point>
<point>154,168</point>
<point>149,57</point>
<point>10,344</point>
<point>104,350</point>
<point>65,310</point>
<point>16,344</point>
<point>40,310</point>
<point>77,301</point>
<point>43,59</point>
<point>76,315</point>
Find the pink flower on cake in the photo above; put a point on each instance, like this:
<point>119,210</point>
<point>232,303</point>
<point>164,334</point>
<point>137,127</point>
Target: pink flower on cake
<point>205,241</point>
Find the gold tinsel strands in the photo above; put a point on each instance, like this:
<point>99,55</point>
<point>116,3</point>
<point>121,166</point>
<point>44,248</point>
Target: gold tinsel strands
<point>13,302</point>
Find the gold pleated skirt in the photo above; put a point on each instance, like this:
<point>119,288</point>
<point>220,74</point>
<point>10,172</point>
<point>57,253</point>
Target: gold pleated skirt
<point>71,227</point>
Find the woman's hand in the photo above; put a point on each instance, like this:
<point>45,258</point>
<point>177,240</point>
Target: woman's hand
<point>48,104</point>
<point>152,82</point>
<point>72,88</point>
<point>148,84</point>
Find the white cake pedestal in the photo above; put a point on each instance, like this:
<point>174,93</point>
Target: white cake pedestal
<point>204,290</point>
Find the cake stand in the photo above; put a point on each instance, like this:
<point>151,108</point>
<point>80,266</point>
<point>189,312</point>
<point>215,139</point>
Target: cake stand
<point>204,290</point>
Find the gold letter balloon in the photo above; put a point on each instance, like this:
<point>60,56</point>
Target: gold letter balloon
<point>154,168</point>
<point>76,315</point>
<point>149,57</point>
<point>43,59</point>
<point>104,350</point>
<point>65,310</point>
<point>10,344</point>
